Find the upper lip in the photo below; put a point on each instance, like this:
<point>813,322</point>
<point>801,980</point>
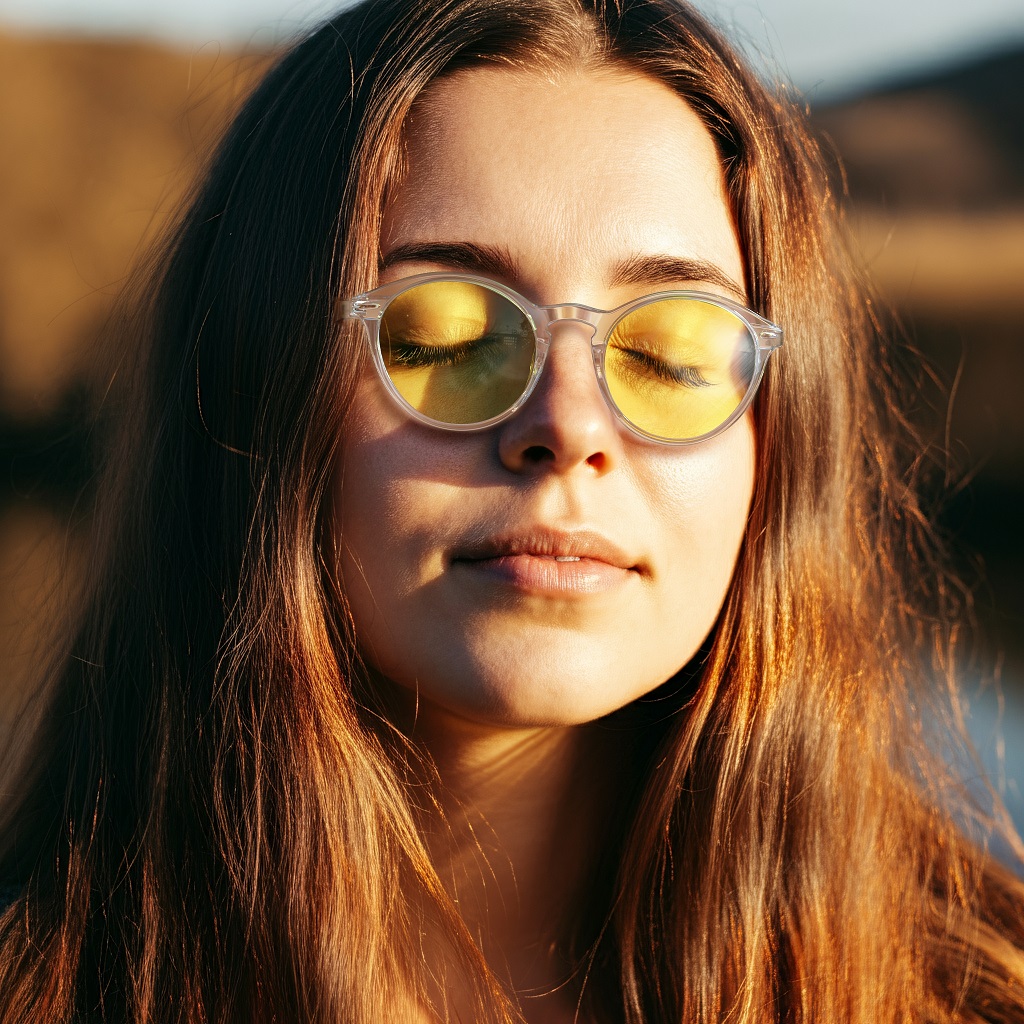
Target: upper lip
<point>550,543</point>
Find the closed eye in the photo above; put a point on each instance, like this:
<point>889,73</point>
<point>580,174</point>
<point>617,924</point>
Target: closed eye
<point>670,373</point>
<point>413,355</point>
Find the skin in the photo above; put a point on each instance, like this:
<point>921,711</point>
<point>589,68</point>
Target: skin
<point>567,176</point>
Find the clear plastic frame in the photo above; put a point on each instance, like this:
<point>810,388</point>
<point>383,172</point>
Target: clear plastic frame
<point>531,345</point>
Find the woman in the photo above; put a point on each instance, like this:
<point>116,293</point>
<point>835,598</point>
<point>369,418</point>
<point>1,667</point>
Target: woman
<point>459,650</point>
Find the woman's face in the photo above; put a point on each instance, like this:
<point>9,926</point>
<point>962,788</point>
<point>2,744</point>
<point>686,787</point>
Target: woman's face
<point>588,188</point>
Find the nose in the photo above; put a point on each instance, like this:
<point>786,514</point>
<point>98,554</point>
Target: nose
<point>565,424</point>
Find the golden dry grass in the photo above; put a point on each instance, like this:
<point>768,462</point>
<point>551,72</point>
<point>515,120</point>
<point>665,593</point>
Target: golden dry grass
<point>99,141</point>
<point>945,263</point>
<point>38,558</point>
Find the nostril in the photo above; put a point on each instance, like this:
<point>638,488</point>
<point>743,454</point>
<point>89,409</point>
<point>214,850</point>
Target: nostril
<point>538,453</point>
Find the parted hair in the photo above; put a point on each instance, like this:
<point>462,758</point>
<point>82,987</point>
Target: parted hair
<point>212,825</point>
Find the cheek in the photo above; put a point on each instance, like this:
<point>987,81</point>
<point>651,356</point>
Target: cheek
<point>367,507</point>
<point>700,500</point>
<point>396,486</point>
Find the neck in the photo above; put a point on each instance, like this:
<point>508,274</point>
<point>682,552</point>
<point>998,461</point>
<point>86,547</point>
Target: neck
<point>523,817</point>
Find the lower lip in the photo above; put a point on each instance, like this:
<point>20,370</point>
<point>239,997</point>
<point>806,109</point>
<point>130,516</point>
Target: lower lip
<point>539,575</point>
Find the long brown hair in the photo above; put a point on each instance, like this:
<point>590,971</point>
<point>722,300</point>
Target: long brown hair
<point>211,824</point>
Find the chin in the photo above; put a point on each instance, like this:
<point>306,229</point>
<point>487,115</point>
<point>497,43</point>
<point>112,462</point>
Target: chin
<point>539,695</point>
<point>528,678</point>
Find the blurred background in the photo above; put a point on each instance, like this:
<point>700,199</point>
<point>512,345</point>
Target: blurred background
<point>108,107</point>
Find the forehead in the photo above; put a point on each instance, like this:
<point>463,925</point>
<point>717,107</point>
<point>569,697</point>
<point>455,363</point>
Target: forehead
<point>569,174</point>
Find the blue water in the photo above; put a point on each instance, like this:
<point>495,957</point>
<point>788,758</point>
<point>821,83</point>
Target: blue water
<point>1000,731</point>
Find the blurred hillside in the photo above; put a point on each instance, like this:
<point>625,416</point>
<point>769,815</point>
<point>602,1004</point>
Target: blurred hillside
<point>99,140</point>
<point>98,143</point>
<point>935,171</point>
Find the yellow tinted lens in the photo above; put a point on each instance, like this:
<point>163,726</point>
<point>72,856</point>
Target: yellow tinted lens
<point>456,351</point>
<point>679,368</point>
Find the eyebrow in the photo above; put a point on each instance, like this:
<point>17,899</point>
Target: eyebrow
<point>468,257</point>
<point>672,269</point>
<point>496,261</point>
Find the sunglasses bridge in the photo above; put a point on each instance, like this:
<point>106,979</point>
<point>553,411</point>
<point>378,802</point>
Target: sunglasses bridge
<point>566,311</point>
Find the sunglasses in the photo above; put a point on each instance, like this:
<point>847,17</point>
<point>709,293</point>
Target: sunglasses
<point>460,352</point>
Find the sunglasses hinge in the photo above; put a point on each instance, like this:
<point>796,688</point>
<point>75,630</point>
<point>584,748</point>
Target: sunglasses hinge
<point>366,309</point>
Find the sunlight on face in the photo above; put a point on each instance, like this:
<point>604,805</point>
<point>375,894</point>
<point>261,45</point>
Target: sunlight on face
<point>555,567</point>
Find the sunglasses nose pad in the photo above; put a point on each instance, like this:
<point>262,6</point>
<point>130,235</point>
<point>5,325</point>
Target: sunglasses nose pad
<point>573,331</point>
<point>580,321</point>
<point>566,322</point>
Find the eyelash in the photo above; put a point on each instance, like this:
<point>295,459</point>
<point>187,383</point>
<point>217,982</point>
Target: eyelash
<point>412,356</point>
<point>687,376</point>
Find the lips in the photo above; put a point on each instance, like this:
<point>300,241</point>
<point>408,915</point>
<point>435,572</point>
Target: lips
<point>553,544</point>
<point>550,561</point>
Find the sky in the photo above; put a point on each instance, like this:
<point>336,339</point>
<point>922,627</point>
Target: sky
<point>824,47</point>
